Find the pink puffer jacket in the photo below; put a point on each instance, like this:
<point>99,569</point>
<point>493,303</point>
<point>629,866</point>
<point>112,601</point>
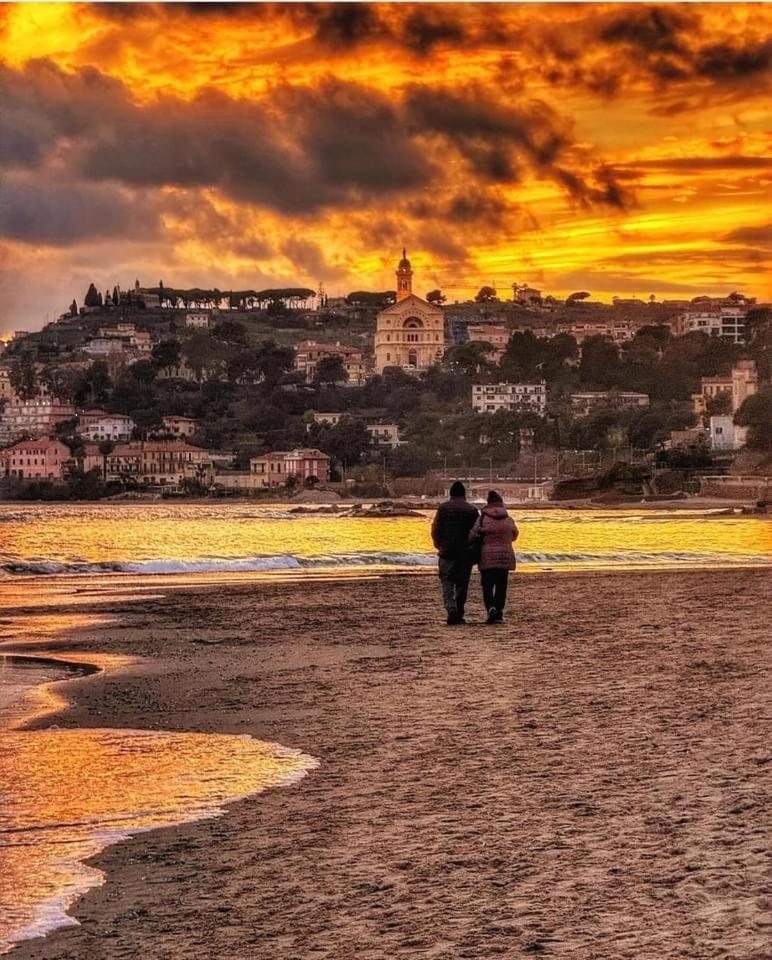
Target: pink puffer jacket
<point>499,532</point>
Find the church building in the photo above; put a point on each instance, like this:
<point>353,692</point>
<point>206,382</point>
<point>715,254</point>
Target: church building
<point>411,332</point>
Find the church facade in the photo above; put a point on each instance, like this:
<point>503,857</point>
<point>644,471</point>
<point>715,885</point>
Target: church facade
<point>411,332</point>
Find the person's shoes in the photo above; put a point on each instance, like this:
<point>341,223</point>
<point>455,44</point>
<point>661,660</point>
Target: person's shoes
<point>454,620</point>
<point>492,616</point>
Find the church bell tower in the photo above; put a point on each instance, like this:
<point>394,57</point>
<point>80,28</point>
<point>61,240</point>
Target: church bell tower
<point>404,277</point>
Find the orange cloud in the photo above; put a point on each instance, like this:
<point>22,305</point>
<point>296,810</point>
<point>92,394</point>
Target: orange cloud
<point>624,144</point>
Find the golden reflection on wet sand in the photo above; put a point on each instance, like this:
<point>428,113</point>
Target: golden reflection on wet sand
<point>75,791</point>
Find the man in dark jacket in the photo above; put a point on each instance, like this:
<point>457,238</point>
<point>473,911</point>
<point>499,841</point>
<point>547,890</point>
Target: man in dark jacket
<point>450,534</point>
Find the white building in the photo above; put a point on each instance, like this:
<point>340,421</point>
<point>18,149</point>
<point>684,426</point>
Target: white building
<point>491,397</point>
<point>726,321</point>
<point>742,383</point>
<point>725,434</point>
<point>588,400</point>
<point>97,425</point>
<point>198,321</point>
<point>384,434</point>
<point>180,426</point>
<point>36,417</point>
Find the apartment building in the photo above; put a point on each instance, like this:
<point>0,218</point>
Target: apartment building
<point>490,398</point>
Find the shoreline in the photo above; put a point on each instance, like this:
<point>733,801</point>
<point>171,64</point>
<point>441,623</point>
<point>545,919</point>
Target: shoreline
<point>41,701</point>
<point>415,501</point>
<point>387,662</point>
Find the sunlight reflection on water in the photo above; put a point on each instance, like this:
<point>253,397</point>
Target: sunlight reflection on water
<point>66,794</point>
<point>148,539</point>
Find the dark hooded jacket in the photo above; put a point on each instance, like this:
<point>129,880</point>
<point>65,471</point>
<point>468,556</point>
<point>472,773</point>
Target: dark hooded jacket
<point>499,531</point>
<point>450,528</point>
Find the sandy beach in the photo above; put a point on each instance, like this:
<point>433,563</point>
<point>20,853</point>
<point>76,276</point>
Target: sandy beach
<point>590,780</point>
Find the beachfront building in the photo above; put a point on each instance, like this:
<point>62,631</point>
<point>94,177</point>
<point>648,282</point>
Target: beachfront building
<point>514,397</point>
<point>180,426</point>
<point>586,401</point>
<point>276,468</point>
<point>742,382</point>
<point>36,417</point>
<point>308,353</point>
<point>97,425</point>
<point>160,462</point>
<point>40,459</point>
<point>411,332</point>
<point>725,434</point>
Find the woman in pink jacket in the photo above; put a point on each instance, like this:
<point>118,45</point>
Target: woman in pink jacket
<point>498,532</point>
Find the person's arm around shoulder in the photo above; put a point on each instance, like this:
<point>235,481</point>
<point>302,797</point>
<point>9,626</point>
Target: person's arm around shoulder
<point>476,527</point>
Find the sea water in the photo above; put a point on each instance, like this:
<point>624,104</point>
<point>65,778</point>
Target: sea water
<point>67,794</point>
<point>44,540</point>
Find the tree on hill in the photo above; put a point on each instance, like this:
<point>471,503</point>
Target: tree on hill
<point>599,367</point>
<point>93,386</point>
<point>93,297</point>
<point>470,359</point>
<point>274,360</point>
<point>574,298</point>
<point>331,370</point>
<point>23,378</point>
<point>167,355</point>
<point>436,296</point>
<point>720,404</point>
<point>485,295</point>
<point>347,441</point>
<point>756,414</point>
<point>230,331</point>
<point>61,381</point>
<point>74,308</point>
<point>758,336</point>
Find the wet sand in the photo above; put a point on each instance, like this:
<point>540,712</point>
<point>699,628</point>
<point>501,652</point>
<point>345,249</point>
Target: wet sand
<point>590,780</point>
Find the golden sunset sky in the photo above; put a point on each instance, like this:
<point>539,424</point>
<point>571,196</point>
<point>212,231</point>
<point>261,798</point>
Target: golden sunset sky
<point>616,148</point>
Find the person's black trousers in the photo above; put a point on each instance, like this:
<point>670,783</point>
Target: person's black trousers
<point>494,588</point>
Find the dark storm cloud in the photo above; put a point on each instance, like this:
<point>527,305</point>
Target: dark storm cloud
<point>426,28</point>
<point>59,214</point>
<point>656,29</point>
<point>761,235</point>
<point>725,61</point>
<point>497,140</point>
<point>303,148</point>
<point>483,129</point>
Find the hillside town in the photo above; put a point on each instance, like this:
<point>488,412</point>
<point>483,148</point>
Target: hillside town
<point>204,392</point>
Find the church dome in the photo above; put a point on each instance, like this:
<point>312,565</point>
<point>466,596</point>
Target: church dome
<point>404,263</point>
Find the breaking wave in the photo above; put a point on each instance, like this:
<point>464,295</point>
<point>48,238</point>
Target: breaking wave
<point>290,562</point>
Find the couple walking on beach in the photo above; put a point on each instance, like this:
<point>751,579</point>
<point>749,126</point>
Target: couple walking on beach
<point>463,537</point>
